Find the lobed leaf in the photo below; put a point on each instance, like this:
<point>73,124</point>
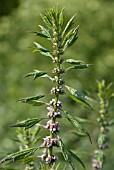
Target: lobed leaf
<point>75,122</point>
<point>77,96</point>
<point>76,158</point>
<point>72,61</point>
<point>66,154</point>
<point>32,100</point>
<point>111,122</point>
<point>79,66</point>
<point>19,155</point>
<point>28,123</point>
<point>42,50</point>
<point>40,47</point>
<point>36,74</point>
<point>28,99</point>
<point>45,31</point>
<point>40,34</point>
<point>46,20</point>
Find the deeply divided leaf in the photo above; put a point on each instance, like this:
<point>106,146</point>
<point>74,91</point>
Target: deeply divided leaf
<point>40,34</point>
<point>32,100</point>
<point>19,155</point>
<point>75,122</point>
<point>28,123</point>
<point>42,50</point>
<point>36,74</point>
<point>77,96</point>
<point>76,158</point>
<point>66,155</point>
<point>45,31</point>
<point>28,99</point>
<point>40,47</point>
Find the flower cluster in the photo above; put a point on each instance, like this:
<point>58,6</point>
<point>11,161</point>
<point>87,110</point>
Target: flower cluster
<point>52,127</point>
<point>48,142</point>
<point>96,163</point>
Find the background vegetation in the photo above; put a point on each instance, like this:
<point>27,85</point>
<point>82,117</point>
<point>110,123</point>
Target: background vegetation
<point>95,45</point>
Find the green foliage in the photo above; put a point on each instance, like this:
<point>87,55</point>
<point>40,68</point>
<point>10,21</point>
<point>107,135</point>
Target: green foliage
<point>104,94</point>
<point>19,155</point>
<point>95,45</point>
<point>37,74</point>
<point>76,123</point>
<point>77,96</point>
<point>28,123</point>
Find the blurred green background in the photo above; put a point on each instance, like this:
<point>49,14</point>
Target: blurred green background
<point>95,45</point>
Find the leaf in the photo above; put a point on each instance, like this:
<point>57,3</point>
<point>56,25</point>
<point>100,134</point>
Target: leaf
<point>41,48</point>
<point>55,167</point>
<point>40,34</point>
<point>46,20</point>
<point>111,122</point>
<point>68,25</point>
<point>72,61</point>
<point>70,38</point>
<point>81,120</point>
<point>75,122</point>
<point>66,154</point>
<point>61,19</point>
<point>28,123</point>
<point>45,31</point>
<point>79,66</point>
<point>28,160</point>
<point>29,99</point>
<point>77,158</point>
<point>77,96</point>
<point>19,155</point>
<point>46,54</point>
<point>36,74</point>
<point>36,103</point>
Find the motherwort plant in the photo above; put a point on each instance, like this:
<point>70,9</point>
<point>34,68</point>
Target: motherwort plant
<point>61,35</point>
<point>104,122</point>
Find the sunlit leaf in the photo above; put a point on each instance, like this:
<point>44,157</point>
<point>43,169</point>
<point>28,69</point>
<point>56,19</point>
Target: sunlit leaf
<point>36,74</point>
<point>75,122</point>
<point>46,20</point>
<point>40,47</point>
<point>40,34</point>
<point>19,155</point>
<point>45,31</point>
<point>42,50</point>
<point>28,159</point>
<point>28,123</point>
<point>72,61</point>
<point>28,99</point>
<point>76,158</point>
<point>70,38</point>
<point>77,96</point>
<point>61,19</point>
<point>68,25</point>
<point>111,122</point>
<point>66,154</point>
<point>79,66</point>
